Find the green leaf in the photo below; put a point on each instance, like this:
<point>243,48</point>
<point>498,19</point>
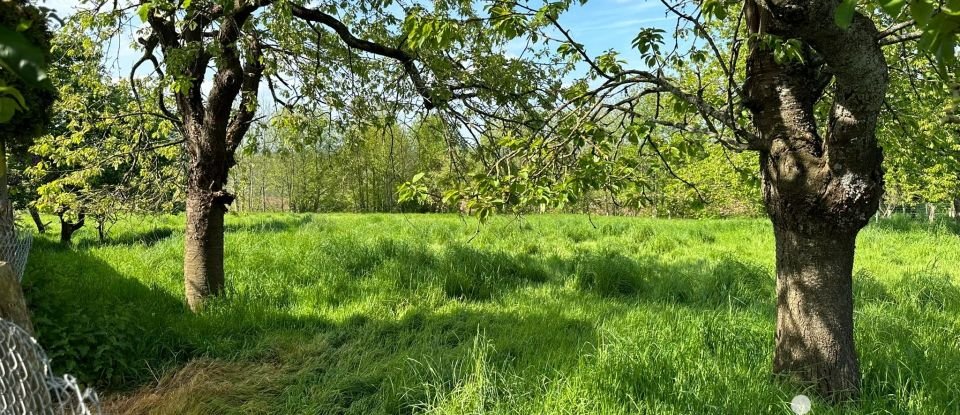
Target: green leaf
<point>921,11</point>
<point>715,8</point>
<point>892,7</point>
<point>144,11</point>
<point>7,108</point>
<point>22,58</point>
<point>13,92</point>
<point>844,14</point>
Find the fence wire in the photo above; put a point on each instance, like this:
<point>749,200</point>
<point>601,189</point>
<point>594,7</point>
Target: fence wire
<point>15,248</point>
<point>28,386</point>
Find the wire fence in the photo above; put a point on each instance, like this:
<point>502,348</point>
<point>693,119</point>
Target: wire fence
<point>28,386</point>
<point>15,248</point>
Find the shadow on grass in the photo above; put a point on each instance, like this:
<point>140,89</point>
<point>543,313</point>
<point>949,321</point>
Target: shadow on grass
<point>699,284</point>
<point>464,272</point>
<point>284,223</point>
<point>467,273</point>
<point>116,332</point>
<point>145,238</point>
<point>94,322</point>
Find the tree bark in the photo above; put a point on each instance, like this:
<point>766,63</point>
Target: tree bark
<point>819,190</point>
<point>956,209</point>
<point>814,335</point>
<point>37,220</point>
<point>210,159</point>
<point>203,248</point>
<point>13,305</point>
<point>6,205</point>
<point>67,228</point>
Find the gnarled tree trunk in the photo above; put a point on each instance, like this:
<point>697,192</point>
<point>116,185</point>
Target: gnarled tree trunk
<point>821,184</point>
<point>67,228</point>
<point>212,129</point>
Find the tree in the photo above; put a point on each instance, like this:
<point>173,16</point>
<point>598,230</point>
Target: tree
<point>106,158</point>
<point>805,95</point>
<point>921,146</point>
<point>248,41</point>
<point>298,163</point>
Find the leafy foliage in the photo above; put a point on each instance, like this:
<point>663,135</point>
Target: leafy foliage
<point>104,153</point>
<point>24,86</point>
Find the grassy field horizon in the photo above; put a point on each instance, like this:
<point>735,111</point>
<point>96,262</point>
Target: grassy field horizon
<point>406,313</point>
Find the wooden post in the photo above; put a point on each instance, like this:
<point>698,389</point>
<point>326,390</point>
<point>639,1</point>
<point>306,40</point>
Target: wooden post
<point>24,385</point>
<point>13,306</point>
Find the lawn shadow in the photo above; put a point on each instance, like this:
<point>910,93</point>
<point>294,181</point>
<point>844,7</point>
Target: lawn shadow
<point>285,223</point>
<point>119,333</point>
<point>363,364</point>
<point>145,238</point>
<point>463,271</point>
<point>729,282</point>
<point>92,320</point>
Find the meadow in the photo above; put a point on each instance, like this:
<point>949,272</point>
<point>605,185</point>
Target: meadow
<point>546,314</point>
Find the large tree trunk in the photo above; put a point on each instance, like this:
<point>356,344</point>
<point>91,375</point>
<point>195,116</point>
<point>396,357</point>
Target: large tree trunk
<point>207,202</point>
<point>819,191</point>
<point>212,126</point>
<point>814,337</point>
<point>203,249</point>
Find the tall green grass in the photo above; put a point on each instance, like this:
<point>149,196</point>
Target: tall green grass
<point>548,314</point>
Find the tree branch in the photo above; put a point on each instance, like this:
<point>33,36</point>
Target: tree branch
<point>405,58</point>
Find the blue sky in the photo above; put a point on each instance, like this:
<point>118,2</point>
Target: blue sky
<point>612,24</point>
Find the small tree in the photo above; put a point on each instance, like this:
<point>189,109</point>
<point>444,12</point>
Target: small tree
<point>108,157</point>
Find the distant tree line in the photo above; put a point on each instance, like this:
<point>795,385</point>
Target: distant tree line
<point>295,165</point>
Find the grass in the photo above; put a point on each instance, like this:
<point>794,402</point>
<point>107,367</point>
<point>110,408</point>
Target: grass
<point>366,314</point>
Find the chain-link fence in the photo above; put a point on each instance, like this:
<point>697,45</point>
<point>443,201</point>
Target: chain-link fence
<point>28,386</point>
<point>14,249</point>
